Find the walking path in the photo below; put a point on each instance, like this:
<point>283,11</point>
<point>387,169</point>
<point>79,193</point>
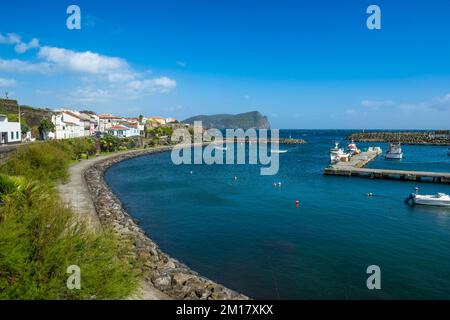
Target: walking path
<point>75,194</point>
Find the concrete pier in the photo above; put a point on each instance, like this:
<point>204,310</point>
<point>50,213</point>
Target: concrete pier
<point>355,168</point>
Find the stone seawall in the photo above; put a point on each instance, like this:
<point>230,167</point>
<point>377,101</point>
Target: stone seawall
<point>161,271</point>
<point>412,138</point>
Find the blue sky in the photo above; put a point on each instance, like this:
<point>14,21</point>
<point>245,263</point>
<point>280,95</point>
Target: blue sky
<point>305,64</point>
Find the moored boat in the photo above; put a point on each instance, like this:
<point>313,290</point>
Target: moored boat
<point>439,199</point>
<point>337,154</point>
<point>352,148</point>
<point>394,151</point>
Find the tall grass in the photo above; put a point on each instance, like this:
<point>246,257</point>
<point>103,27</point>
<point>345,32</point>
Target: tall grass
<point>40,238</point>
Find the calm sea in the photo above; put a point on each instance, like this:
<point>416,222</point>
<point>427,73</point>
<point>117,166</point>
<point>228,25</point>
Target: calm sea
<point>250,236</point>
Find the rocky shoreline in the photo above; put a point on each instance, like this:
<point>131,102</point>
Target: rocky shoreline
<point>159,270</point>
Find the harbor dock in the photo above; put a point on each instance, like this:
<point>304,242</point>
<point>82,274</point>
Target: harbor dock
<point>355,168</point>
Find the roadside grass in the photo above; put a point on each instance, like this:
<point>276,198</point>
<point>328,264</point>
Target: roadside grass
<point>40,238</point>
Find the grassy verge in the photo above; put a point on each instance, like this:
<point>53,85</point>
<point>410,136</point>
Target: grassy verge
<point>40,238</point>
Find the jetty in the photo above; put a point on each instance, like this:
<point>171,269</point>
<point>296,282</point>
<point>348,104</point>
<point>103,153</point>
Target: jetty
<point>437,138</point>
<point>355,168</point>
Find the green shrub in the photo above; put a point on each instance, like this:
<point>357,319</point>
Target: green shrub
<point>39,241</point>
<point>43,162</point>
<point>40,237</point>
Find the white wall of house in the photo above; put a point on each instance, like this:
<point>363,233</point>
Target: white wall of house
<point>67,126</point>
<point>123,131</point>
<point>10,132</point>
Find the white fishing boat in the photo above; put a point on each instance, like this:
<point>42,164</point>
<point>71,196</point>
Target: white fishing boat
<point>352,148</point>
<point>439,199</point>
<point>394,151</point>
<point>337,154</point>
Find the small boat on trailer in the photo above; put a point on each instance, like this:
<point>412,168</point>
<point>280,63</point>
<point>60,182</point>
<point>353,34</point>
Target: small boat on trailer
<point>439,199</point>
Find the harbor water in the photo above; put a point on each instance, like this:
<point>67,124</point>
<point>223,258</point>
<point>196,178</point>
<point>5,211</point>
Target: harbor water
<point>232,225</point>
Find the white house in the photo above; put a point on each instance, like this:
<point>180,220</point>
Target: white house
<point>67,125</point>
<point>95,123</point>
<point>170,120</point>
<point>10,132</point>
<point>156,121</point>
<point>124,130</point>
<point>108,120</point>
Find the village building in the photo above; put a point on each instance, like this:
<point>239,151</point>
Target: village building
<point>124,130</point>
<point>94,124</point>
<point>156,121</point>
<point>170,120</point>
<point>10,132</point>
<point>67,125</point>
<point>108,120</point>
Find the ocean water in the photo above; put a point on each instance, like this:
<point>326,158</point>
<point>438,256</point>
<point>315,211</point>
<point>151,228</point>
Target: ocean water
<point>251,237</point>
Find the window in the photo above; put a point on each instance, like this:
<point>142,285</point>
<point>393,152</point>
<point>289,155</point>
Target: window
<point>12,135</point>
<point>17,135</point>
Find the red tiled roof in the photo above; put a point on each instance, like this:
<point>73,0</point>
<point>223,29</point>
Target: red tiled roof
<point>118,128</point>
<point>128,124</point>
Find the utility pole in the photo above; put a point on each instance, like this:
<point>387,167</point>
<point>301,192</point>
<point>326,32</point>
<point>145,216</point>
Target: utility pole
<point>20,123</point>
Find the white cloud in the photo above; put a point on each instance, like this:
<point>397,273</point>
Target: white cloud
<point>104,77</point>
<point>82,62</point>
<point>373,104</point>
<point>10,38</point>
<point>445,99</point>
<point>162,85</point>
<point>24,47</point>
<point>120,77</point>
<point>20,46</point>
<point>440,103</point>
<point>182,64</point>
<point>89,95</point>
<point>20,66</point>
<point>7,83</point>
